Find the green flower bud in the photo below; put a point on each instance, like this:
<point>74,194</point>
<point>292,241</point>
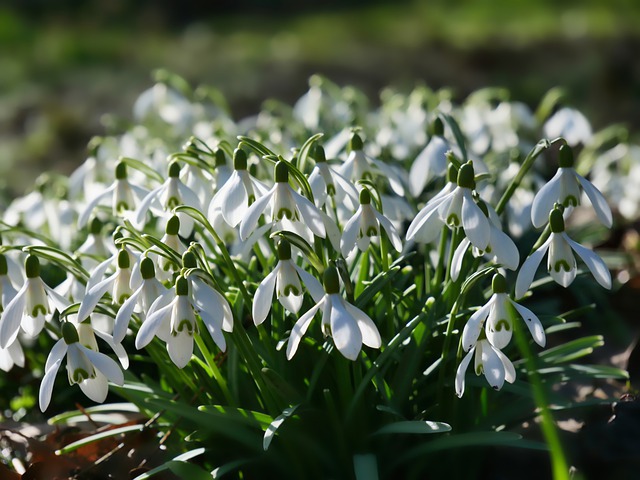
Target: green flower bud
<point>69,333</point>
<point>319,155</point>
<point>174,170</point>
<point>239,159</point>
<point>355,143</point>
<point>4,268</point>
<point>147,268</point>
<point>221,158</point>
<point>466,176</point>
<point>95,227</point>
<point>32,266</point>
<point>189,259</point>
<point>121,171</point>
<point>556,221</point>
<point>452,173</point>
<point>565,157</point>
<point>173,226</point>
<point>281,174</point>
<point>438,127</point>
<point>123,259</point>
<point>284,250</point>
<point>365,196</point>
<point>182,286</point>
<point>331,280</point>
<point>499,283</point>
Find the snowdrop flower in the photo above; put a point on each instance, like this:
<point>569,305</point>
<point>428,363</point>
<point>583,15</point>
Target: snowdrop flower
<point>118,282</point>
<point>561,262</point>
<point>287,280</point>
<point>564,189</point>
<point>500,248</point>
<point>364,224</point>
<point>164,103</point>
<point>95,245</point>
<point>455,209</point>
<point>431,162</point>
<point>167,266</point>
<point>427,224</point>
<point>179,312</point>
<point>31,307</point>
<point>349,326</point>
<point>570,124</point>
<point>496,318</point>
<point>292,210</point>
<point>359,166</point>
<point>140,300</point>
<point>7,289</point>
<point>167,196</point>
<point>87,367</point>
<point>121,194</point>
<point>495,365</point>
<point>327,182</point>
<point>232,200</point>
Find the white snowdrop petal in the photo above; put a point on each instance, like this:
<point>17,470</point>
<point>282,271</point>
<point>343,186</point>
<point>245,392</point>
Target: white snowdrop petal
<point>123,317</point>
<point>461,371</point>
<point>474,325</point>
<point>594,263</point>
<point>12,317</point>
<point>214,327</point>
<point>350,232</point>
<point>310,214</point>
<point>46,386</point>
<point>151,324</point>
<point>95,389</point>
<point>312,284</point>
<point>392,233</point>
<point>140,216</point>
<point>458,257</point>
<point>344,331</point>
<point>474,222</point>
<point>301,327</point>
<point>509,370</point>
<point>544,200</point>
<point>250,220</point>
<point>105,364</point>
<point>93,296</point>
<point>370,334</point>
<point>493,367</point>
<point>600,205</point>
<point>86,213</point>
<point>58,351</point>
<point>504,249</point>
<point>532,322</point>
<point>529,268</point>
<point>234,201</point>
<point>263,297</point>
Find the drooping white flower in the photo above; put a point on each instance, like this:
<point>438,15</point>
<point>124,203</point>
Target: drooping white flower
<point>12,355</point>
<point>359,166</point>
<point>121,194</point>
<point>166,197</point>
<point>173,316</point>
<point>564,188</point>
<point>289,209</point>
<point>455,209</point>
<point>495,365</point>
<point>87,367</point>
<point>287,280</point>
<point>570,124</point>
<point>349,326</point>
<point>140,300</point>
<point>232,200</point>
<point>561,262</point>
<point>500,248</point>
<point>496,318</point>
<point>30,307</point>
<point>95,246</point>
<point>326,182</point>
<point>366,223</point>
<point>166,267</point>
<point>118,282</point>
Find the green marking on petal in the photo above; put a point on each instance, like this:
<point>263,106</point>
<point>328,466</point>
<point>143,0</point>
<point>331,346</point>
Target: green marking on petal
<point>291,290</point>
<point>570,201</point>
<point>502,324</point>
<point>562,265</point>
<point>39,309</point>
<point>453,220</point>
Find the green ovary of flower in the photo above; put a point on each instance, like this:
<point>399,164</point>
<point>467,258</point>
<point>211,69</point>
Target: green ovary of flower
<point>173,202</point>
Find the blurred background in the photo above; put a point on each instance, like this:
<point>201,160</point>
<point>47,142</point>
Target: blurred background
<point>68,68</point>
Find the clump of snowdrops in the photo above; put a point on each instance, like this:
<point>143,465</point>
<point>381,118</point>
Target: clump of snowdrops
<point>329,290</point>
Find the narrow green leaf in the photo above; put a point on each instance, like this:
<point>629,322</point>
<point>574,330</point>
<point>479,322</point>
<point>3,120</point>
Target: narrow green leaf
<point>98,409</point>
<point>142,167</point>
<point>180,458</point>
<point>99,436</point>
<point>188,470</point>
<point>417,426</point>
<point>254,145</point>
<point>305,149</point>
<point>270,433</point>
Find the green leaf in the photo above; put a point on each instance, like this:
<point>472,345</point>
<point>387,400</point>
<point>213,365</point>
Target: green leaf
<point>270,433</point>
<point>305,149</point>
<point>416,426</point>
<point>256,146</point>
<point>239,415</point>
<point>99,436</point>
<point>572,349</point>
<point>179,459</point>
<point>299,242</point>
<point>92,411</point>
<point>548,103</point>
<point>457,133</point>
<point>142,167</point>
<point>365,467</point>
<point>188,470</point>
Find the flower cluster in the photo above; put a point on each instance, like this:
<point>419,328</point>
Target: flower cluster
<point>192,221</point>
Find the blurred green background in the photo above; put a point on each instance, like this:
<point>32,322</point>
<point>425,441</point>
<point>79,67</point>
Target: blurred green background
<point>65,64</point>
